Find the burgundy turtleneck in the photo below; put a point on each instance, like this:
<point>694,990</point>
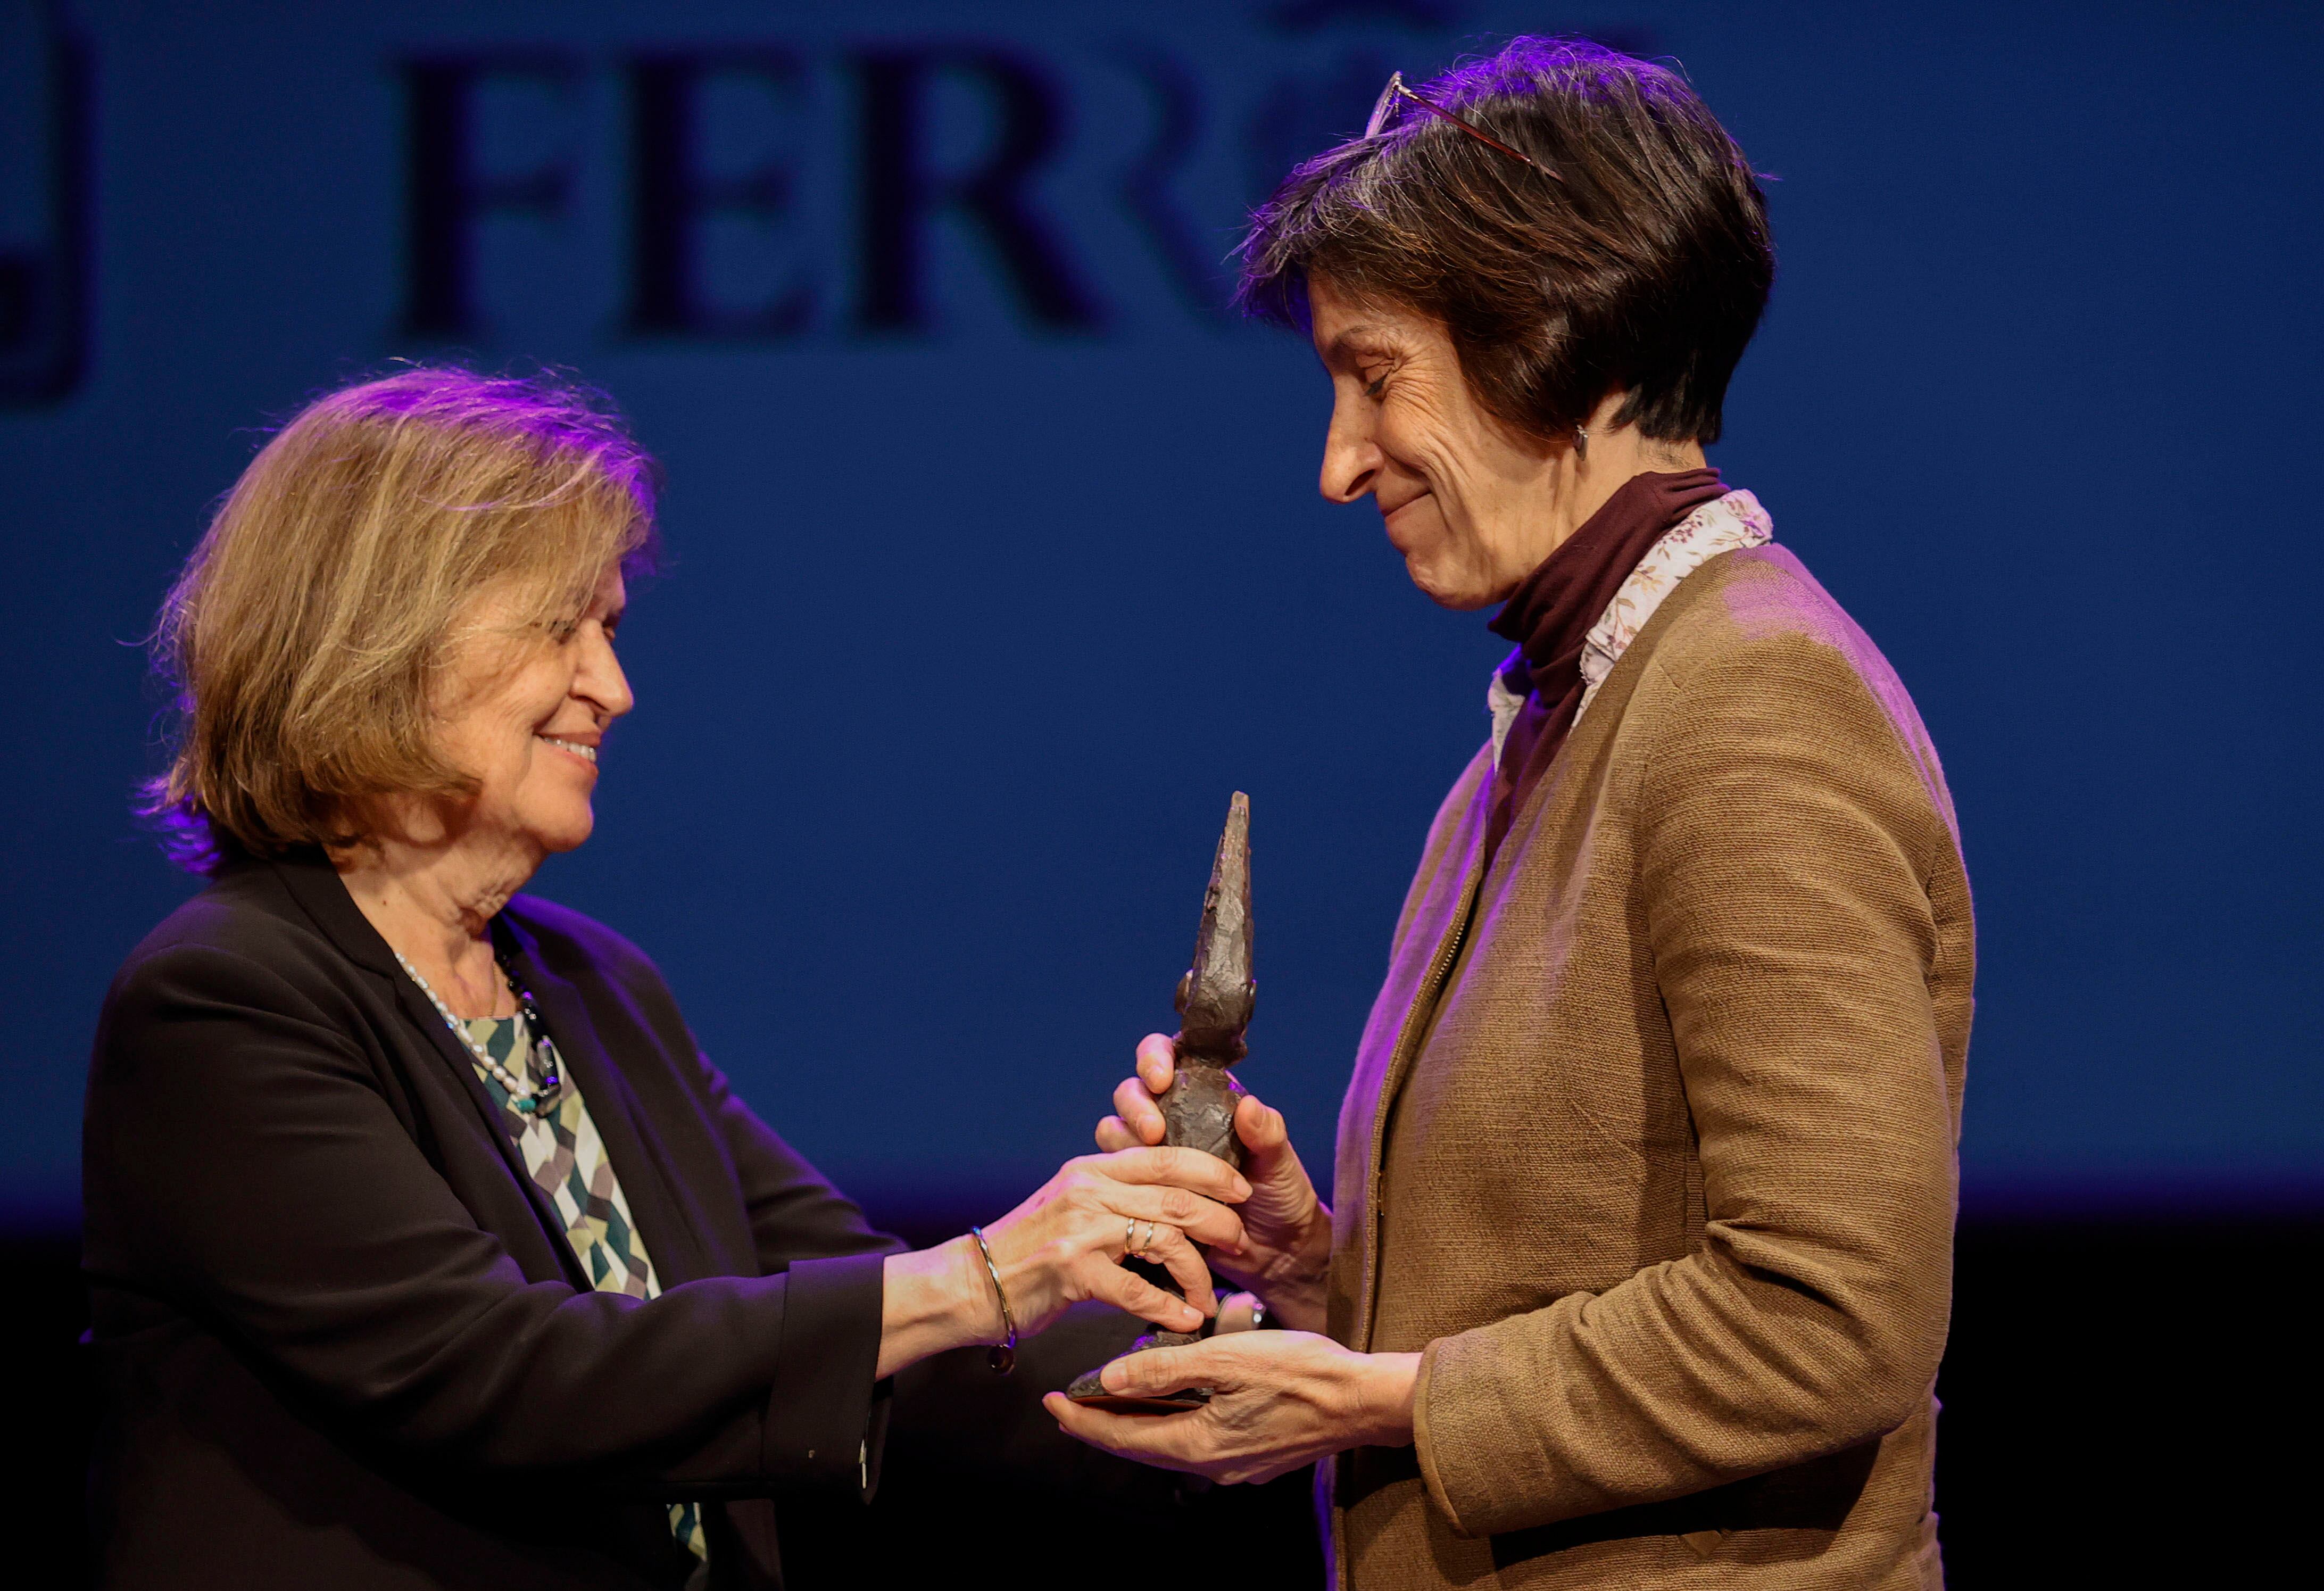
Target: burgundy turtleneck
<point>1550,615</point>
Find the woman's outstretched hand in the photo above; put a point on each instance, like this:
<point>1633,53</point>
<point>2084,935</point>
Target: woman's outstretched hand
<point>1278,1400</point>
<point>1286,1244</point>
<point>1065,1245</point>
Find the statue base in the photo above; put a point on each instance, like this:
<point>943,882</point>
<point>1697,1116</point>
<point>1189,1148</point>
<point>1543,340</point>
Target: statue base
<point>1089,1391</point>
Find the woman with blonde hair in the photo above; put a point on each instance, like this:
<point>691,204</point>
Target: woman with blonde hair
<point>424,1246</point>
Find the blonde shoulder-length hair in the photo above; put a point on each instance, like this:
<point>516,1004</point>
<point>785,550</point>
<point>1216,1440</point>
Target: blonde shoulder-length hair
<point>305,637</point>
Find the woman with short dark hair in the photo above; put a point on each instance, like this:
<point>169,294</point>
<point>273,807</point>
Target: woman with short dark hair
<point>1639,1267</point>
<point>424,1248</point>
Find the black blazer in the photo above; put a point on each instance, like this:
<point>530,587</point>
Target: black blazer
<point>342,1340</point>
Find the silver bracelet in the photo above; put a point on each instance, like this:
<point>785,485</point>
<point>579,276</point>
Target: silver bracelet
<point>1001,1357</point>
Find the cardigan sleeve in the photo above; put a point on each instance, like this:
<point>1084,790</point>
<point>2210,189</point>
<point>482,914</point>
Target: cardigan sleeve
<point>249,1167</point>
<point>1785,837</point>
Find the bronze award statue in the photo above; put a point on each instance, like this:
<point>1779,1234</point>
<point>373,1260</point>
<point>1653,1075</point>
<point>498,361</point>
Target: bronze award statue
<point>1214,1001</point>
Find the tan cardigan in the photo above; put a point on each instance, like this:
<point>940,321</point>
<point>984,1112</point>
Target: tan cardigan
<point>1653,1153</point>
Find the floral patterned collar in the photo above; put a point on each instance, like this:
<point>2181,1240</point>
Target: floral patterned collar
<point>1723,524</point>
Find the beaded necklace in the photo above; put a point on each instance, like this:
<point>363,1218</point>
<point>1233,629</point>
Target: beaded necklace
<point>526,1099</point>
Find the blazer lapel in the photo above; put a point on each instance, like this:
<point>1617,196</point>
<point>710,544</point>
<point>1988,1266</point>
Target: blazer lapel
<point>617,1114</point>
<point>455,1054</point>
<point>316,886</point>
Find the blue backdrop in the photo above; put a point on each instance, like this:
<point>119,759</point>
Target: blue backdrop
<point>998,561</point>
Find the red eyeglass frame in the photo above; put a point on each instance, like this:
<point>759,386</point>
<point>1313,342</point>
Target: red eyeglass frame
<point>1396,90</point>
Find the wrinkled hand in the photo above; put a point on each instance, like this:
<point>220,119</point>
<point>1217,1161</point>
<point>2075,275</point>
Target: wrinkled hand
<point>1065,1242</point>
<point>1278,1400</point>
<point>1287,1246</point>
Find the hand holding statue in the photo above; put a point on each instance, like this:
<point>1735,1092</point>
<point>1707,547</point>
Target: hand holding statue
<point>1287,1230</point>
<point>1278,1400</point>
<point>1249,1405</point>
<point>1066,1243</point>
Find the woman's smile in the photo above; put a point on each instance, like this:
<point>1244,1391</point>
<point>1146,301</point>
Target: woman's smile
<point>1415,529</point>
<point>1390,515</point>
<point>586,753</point>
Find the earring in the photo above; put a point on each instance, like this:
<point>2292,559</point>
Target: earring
<point>1581,441</point>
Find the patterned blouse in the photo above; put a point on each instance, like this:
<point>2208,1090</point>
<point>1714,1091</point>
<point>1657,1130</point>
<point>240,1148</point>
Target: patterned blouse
<point>566,1158</point>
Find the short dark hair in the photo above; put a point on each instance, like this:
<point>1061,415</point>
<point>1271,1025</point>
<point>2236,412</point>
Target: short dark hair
<point>1643,266</point>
